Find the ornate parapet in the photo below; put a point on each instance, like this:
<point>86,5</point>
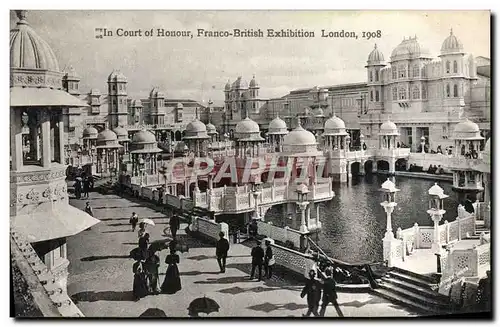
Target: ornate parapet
<point>48,290</point>
<point>35,78</point>
<point>209,228</point>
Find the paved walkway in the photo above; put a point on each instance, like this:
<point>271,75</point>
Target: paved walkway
<point>100,280</point>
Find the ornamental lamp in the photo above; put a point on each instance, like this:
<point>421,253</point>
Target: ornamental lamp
<point>436,197</point>
<point>302,191</point>
<point>389,190</point>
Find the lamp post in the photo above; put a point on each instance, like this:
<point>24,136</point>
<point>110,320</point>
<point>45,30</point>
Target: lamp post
<point>362,142</point>
<point>422,142</point>
<point>302,191</point>
<point>256,192</point>
<point>389,196</point>
<point>348,143</point>
<point>436,211</point>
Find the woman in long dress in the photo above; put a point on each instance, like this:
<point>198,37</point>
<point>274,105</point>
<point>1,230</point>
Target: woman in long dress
<point>140,288</point>
<point>172,282</point>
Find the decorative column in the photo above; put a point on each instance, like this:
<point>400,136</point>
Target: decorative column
<point>302,191</point>
<point>256,192</point>
<point>60,135</point>
<point>436,211</point>
<point>16,134</point>
<point>422,143</point>
<point>389,242</point>
<point>45,123</point>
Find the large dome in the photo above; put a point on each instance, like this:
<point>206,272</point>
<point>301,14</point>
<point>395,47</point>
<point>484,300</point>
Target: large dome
<point>28,50</point>
<point>240,83</point>
<point>106,135</point>
<point>388,128</point>
<point>143,137</point>
<point>247,126</point>
<point>451,45</point>
<point>299,136</point>
<point>277,126</point>
<point>196,130</point>
<point>409,49</point>
<point>466,126</point>
<point>334,123</point>
<point>375,57</point>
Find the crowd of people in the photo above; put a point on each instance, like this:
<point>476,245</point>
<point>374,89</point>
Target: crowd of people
<point>83,185</point>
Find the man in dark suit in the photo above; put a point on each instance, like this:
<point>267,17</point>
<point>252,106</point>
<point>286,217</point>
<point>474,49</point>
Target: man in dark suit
<point>313,291</point>
<point>257,260</point>
<point>329,292</point>
<point>221,249</point>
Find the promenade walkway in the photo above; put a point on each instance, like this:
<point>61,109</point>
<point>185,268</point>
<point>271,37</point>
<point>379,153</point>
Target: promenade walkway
<point>100,280</point>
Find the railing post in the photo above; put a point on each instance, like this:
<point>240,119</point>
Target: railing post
<point>416,237</point>
<point>447,231</point>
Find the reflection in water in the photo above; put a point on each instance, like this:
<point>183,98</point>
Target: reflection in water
<point>354,222</point>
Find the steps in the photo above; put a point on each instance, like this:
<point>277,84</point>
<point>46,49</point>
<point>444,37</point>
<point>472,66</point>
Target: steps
<point>415,291</point>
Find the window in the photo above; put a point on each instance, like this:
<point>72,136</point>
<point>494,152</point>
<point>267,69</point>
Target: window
<point>371,76</point>
<point>376,75</point>
<point>455,67</point>
<point>394,93</point>
<point>76,86</point>
<point>402,71</point>
<point>416,92</point>
<point>424,92</point>
<point>424,73</point>
<point>447,90</point>
<point>447,67</point>
<point>371,95</point>
<point>377,97</point>
<point>394,73</point>
<point>402,93</point>
<point>113,87</point>
<point>416,71</point>
<point>242,105</point>
<point>455,90</point>
<point>120,87</point>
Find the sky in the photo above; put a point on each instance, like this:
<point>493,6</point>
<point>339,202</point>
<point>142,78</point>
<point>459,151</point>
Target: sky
<point>198,68</point>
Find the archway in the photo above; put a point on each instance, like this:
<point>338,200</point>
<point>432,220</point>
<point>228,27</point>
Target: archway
<point>178,136</point>
<point>172,136</point>
<point>368,167</point>
<point>355,168</point>
<point>203,185</point>
<point>401,164</point>
<point>382,165</point>
<point>183,133</point>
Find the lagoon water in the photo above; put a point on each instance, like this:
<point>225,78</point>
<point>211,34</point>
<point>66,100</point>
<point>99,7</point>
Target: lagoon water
<point>354,222</point>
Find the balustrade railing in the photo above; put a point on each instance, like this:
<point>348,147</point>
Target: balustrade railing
<point>279,234</point>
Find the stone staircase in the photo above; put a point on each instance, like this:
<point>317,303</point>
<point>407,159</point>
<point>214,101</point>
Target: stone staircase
<point>413,290</point>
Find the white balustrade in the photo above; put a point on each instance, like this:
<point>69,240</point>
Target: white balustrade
<point>279,234</point>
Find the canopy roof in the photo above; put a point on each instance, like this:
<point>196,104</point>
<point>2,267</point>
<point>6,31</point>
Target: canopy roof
<point>42,97</point>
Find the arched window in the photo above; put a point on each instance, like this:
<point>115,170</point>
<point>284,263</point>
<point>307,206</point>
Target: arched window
<point>371,95</point>
<point>455,67</point>
<point>376,75</point>
<point>455,90</point>
<point>447,67</point>
<point>402,71</point>
<point>424,92</point>
<point>416,92</point>
<point>371,76</point>
<point>377,96</point>
<point>394,73</point>
<point>402,93</point>
<point>447,90</point>
<point>394,93</point>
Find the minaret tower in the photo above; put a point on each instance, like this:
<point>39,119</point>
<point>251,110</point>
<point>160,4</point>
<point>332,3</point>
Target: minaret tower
<point>117,102</point>
<point>374,66</point>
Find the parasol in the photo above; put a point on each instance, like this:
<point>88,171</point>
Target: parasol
<point>202,305</point>
<point>153,312</point>
<point>148,221</point>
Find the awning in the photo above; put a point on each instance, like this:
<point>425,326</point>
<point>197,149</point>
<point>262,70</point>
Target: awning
<point>51,221</point>
<point>42,97</point>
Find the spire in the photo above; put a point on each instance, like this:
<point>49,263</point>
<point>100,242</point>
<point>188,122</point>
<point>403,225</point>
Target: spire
<point>451,31</point>
<point>375,46</point>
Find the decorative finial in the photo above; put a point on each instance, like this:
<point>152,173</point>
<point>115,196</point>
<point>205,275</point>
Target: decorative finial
<point>196,110</point>
<point>415,36</point>
<point>21,14</point>
<point>299,123</point>
<point>375,46</point>
<point>451,31</point>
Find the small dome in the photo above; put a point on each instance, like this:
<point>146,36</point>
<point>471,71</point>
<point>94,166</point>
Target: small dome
<point>180,106</point>
<point>228,86</point>
<point>277,126</point>
<point>106,135</point>
<point>302,188</point>
<point>120,132</point>
<point>143,137</point>
<point>319,113</point>
<point>388,128</point>
<point>466,126</point>
<point>240,83</point>
<point>120,77</point>
<point>156,93</point>
<point>28,50</point>
<point>253,83</point>
<point>334,123</point>
<point>247,126</point>
<point>196,126</point>
<point>375,57</point>
<point>95,92</point>
<point>389,186</point>
<point>436,190</point>
<point>90,132</point>
<point>136,103</point>
<point>299,136</point>
<point>451,45</point>
<point>112,76</point>
<point>211,129</point>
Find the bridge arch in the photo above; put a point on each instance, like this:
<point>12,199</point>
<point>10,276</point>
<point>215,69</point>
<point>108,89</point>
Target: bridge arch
<point>401,164</point>
<point>368,166</point>
<point>382,165</point>
<point>355,168</point>
<point>178,136</point>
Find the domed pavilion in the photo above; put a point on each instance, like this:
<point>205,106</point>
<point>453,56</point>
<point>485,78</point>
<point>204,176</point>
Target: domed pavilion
<point>248,139</point>
<point>144,150</point>
<point>107,153</point>
<point>276,132</point>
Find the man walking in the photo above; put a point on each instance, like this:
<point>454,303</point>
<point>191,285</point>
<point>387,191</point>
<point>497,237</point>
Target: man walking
<point>134,220</point>
<point>329,292</point>
<point>257,260</point>
<point>313,291</point>
<point>221,249</point>
<point>86,187</point>
<point>88,209</point>
<point>174,225</point>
